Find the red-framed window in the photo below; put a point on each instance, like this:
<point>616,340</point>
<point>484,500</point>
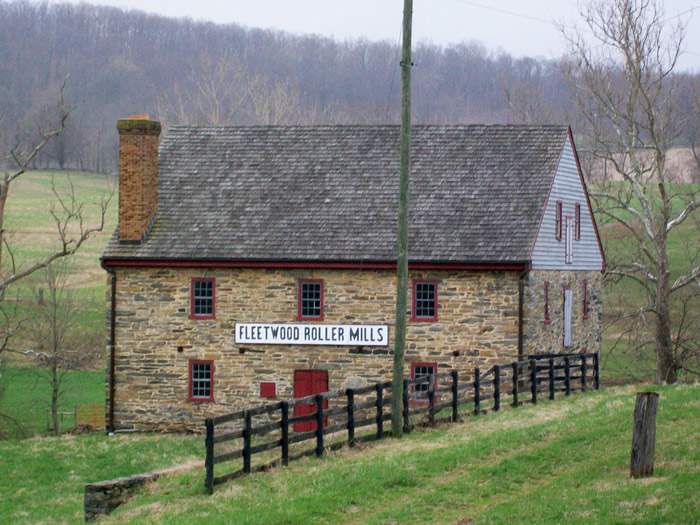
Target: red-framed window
<point>547,319</point>
<point>585,299</point>
<point>578,222</point>
<point>268,389</point>
<point>558,220</point>
<point>425,300</point>
<point>422,370</point>
<point>201,381</point>
<point>202,298</point>
<point>310,300</point>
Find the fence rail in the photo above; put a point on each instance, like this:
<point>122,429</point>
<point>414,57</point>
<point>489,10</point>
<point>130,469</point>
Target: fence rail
<point>339,414</point>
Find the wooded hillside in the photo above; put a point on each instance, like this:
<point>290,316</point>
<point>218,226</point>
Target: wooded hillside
<point>180,71</point>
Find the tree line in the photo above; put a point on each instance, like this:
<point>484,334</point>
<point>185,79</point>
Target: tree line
<point>121,62</point>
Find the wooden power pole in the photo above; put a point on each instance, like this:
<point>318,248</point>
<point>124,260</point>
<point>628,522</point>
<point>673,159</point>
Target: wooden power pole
<point>402,236</point>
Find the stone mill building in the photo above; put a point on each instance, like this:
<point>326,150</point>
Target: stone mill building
<point>252,263</point>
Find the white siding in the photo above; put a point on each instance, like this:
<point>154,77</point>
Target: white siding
<point>549,253</point>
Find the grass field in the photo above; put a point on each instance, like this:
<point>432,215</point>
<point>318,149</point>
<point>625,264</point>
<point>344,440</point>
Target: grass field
<point>27,397</point>
<point>565,461</point>
<point>31,232</point>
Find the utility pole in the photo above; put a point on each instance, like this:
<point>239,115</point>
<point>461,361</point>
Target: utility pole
<point>402,236</point>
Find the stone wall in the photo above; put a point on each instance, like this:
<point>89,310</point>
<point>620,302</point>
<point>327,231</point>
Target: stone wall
<point>547,337</point>
<point>155,338</point>
<point>103,497</point>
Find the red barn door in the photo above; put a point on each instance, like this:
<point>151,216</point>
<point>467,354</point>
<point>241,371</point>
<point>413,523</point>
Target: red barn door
<point>306,383</point>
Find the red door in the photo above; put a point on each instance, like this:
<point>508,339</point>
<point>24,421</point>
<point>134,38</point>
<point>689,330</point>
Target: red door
<point>306,383</point>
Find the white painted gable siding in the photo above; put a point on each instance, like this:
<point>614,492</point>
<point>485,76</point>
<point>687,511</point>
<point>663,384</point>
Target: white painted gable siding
<point>550,253</point>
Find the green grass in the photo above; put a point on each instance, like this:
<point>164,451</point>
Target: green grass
<point>31,232</point>
<point>27,395</point>
<point>560,462</point>
<point>42,480</point>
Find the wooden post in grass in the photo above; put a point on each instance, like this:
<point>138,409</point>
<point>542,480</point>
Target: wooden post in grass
<point>380,408</point>
<point>247,433</point>
<point>351,417</point>
<point>319,425</point>
<point>455,395</point>
<point>209,461</point>
<point>496,388</point>
<point>551,378</point>
<point>284,441</point>
<point>533,380</point>
<point>515,384</point>
<point>406,408</point>
<point>477,393</point>
<point>644,435</point>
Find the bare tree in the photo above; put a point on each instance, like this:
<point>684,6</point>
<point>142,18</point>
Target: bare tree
<point>68,214</point>
<point>628,96</point>
<point>53,330</point>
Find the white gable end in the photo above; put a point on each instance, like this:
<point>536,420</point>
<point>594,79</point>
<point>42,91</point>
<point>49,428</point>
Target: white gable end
<point>550,251</point>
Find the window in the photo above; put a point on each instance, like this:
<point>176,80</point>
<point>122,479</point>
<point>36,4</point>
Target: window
<point>546,303</point>
<point>578,222</point>
<point>268,389</point>
<point>569,241</point>
<point>202,293</point>
<point>557,223</point>
<point>585,299</point>
<point>422,370</point>
<point>567,317</point>
<point>424,301</point>
<point>201,381</point>
<point>310,300</point>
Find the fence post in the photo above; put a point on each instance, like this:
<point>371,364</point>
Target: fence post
<point>596,370</point>
<point>455,395</point>
<point>644,435</point>
<point>209,461</point>
<point>477,394</point>
<point>351,416</point>
<point>583,372</point>
<point>533,380</point>
<point>431,400</point>
<point>567,375</point>
<point>319,425</point>
<point>551,378</point>
<point>380,406</point>
<point>406,412</point>
<point>285,433</point>
<point>496,388</point>
<point>246,441</point>
<point>515,384</point>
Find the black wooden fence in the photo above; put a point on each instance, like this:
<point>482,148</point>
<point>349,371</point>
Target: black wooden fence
<point>339,414</point>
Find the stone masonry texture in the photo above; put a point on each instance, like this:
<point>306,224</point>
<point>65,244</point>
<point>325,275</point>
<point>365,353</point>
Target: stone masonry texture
<point>155,338</point>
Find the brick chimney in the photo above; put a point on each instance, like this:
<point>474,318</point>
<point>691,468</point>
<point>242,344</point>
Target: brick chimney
<point>138,177</point>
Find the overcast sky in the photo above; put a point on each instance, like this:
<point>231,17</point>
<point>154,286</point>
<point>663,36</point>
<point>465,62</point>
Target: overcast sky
<point>520,28</point>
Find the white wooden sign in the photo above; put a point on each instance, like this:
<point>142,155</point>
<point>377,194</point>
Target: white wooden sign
<point>312,334</point>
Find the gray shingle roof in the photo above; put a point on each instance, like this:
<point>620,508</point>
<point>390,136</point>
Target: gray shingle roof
<point>329,193</point>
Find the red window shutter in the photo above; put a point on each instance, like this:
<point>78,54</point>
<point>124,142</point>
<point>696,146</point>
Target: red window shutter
<point>558,220</point>
<point>585,299</point>
<point>578,222</point>
<point>546,302</point>
<point>268,389</point>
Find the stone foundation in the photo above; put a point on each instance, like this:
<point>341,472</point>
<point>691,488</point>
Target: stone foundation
<point>103,497</point>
